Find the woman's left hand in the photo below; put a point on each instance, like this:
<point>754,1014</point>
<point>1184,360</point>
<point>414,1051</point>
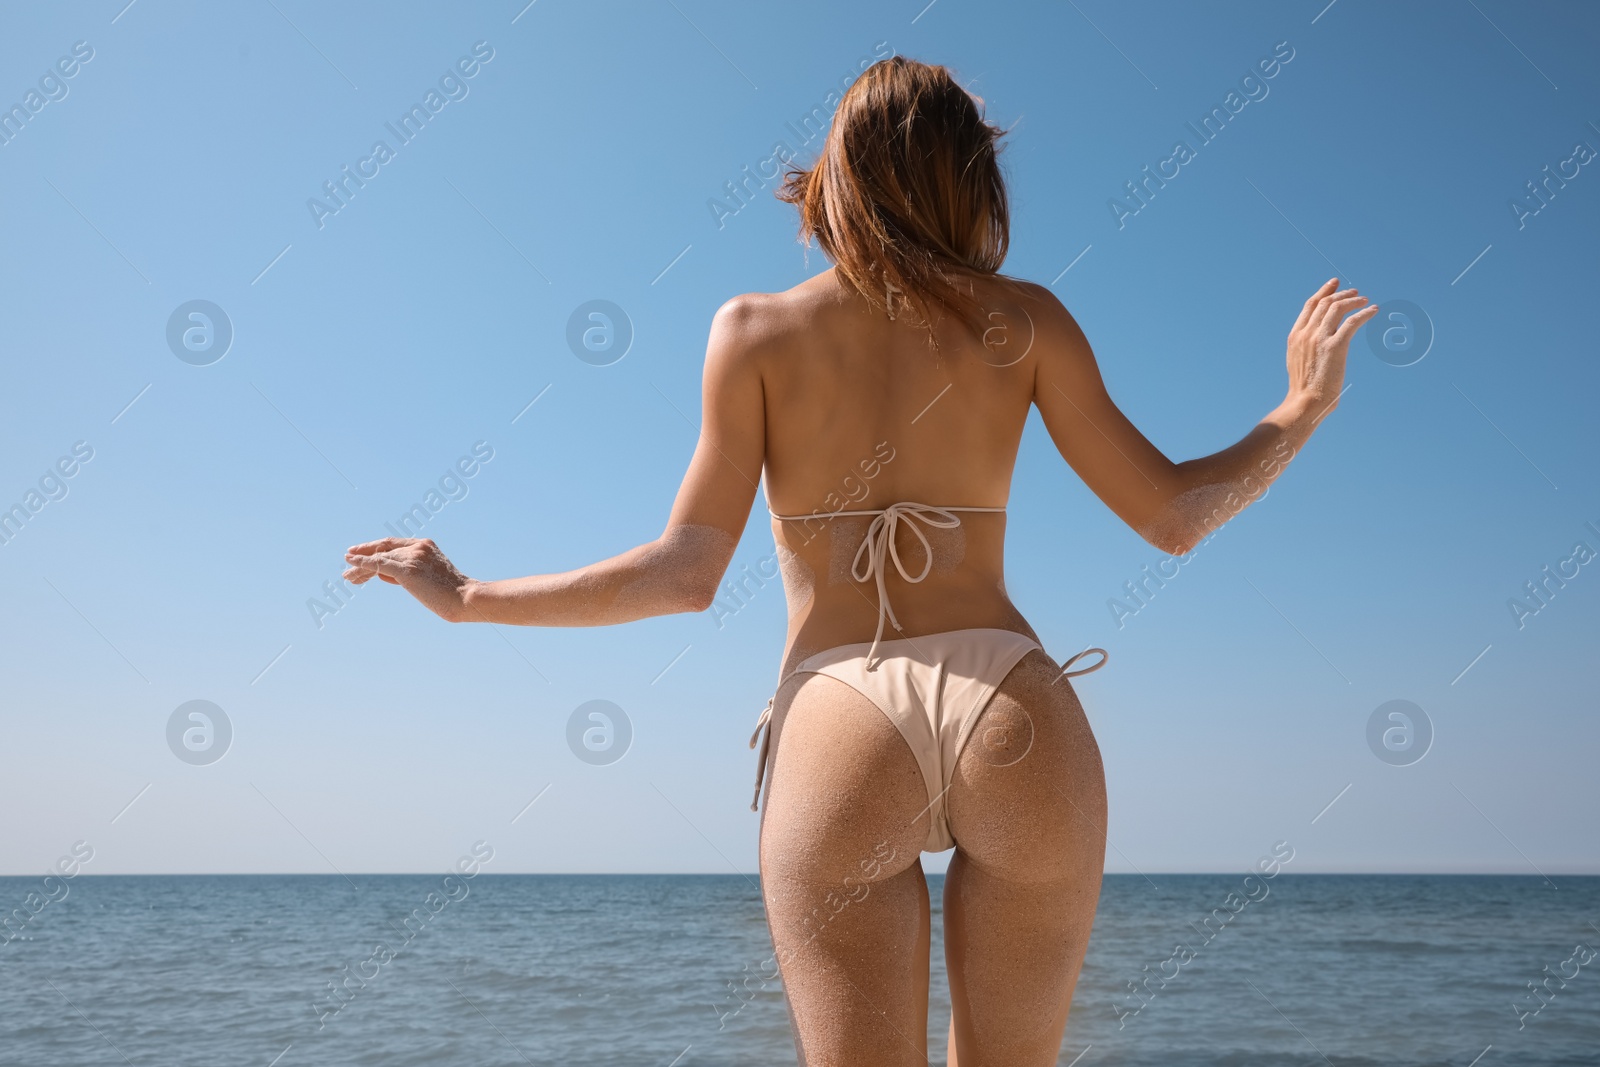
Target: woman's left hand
<point>417,566</point>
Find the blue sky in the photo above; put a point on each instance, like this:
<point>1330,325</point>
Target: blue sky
<point>374,346</point>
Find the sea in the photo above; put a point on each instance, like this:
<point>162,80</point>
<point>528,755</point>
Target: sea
<point>676,971</point>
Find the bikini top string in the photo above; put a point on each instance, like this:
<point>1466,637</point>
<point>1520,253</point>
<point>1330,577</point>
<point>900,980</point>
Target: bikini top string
<point>878,549</point>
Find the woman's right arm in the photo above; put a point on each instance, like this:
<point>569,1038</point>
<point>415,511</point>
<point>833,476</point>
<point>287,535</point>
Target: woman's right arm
<point>1175,506</point>
<point>678,571</point>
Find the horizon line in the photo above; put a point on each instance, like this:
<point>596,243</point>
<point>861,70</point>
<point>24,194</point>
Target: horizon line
<point>756,874</point>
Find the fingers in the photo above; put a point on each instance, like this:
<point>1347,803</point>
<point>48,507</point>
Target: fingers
<point>389,566</point>
<point>384,544</point>
<point>1332,308</point>
<point>359,571</point>
<point>1354,322</point>
<point>357,576</point>
<point>1311,302</point>
<point>388,558</point>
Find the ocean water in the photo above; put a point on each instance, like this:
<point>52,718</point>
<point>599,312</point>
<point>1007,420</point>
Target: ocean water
<point>669,970</point>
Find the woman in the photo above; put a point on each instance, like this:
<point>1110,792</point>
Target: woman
<point>904,374</point>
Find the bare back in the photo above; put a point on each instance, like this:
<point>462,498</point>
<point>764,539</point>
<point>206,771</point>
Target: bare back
<point>863,412</point>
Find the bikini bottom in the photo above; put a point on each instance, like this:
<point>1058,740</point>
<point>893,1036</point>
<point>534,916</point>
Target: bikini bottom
<point>933,688</point>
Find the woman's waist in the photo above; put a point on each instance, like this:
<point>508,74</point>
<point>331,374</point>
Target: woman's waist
<point>972,585</point>
<point>846,616</point>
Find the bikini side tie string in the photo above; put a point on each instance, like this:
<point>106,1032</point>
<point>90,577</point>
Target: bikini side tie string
<point>1067,672</point>
<point>764,735</point>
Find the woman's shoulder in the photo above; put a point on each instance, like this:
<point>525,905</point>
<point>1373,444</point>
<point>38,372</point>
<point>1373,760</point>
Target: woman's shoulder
<point>1040,305</point>
<point>772,318</point>
<point>820,310</point>
<point>1040,301</point>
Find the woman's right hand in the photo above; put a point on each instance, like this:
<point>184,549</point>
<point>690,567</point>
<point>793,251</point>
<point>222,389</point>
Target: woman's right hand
<point>1318,343</point>
<point>419,567</point>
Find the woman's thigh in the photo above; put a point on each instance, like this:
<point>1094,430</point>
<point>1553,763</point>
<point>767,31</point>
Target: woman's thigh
<point>1028,811</point>
<point>841,838</point>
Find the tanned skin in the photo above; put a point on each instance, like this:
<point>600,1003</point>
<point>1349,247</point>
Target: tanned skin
<point>802,389</point>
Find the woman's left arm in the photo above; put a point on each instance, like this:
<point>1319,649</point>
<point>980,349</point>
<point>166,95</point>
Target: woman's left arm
<point>678,571</point>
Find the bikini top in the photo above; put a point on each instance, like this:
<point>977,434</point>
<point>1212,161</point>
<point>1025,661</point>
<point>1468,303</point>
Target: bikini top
<point>878,549</point>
